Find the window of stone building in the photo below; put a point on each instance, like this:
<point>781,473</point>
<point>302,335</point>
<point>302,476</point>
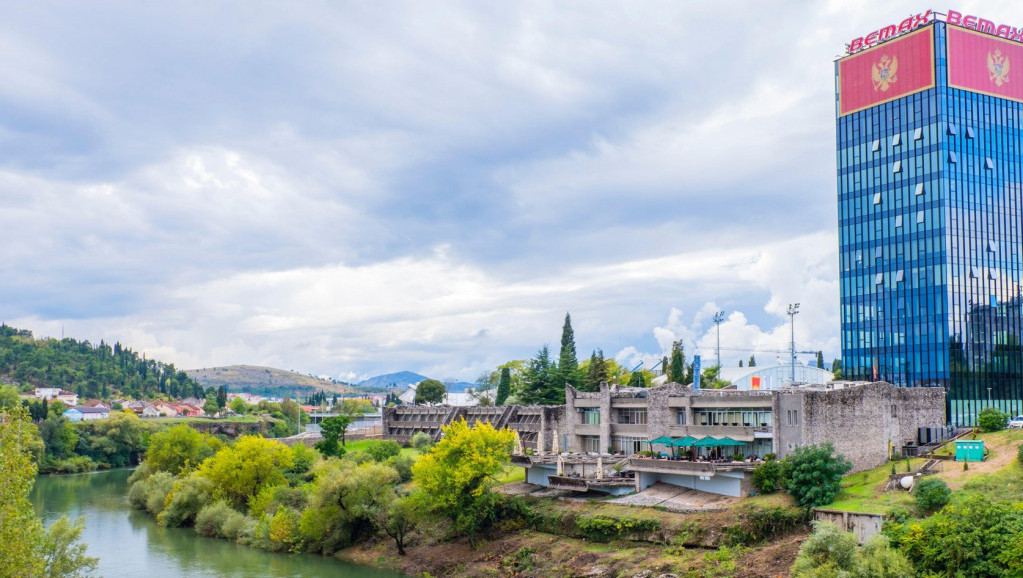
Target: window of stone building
<point>589,415</point>
<point>793,416</point>
<point>895,411</point>
<point>590,443</point>
<point>632,416</point>
<point>680,416</point>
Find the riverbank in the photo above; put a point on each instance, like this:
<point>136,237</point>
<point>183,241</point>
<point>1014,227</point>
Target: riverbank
<point>703,544</point>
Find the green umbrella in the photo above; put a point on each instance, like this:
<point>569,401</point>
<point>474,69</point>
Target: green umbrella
<point>663,440</point>
<point>707,442</point>
<point>683,442</point>
<point>726,441</point>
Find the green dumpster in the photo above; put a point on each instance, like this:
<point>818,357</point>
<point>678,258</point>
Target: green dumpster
<point>971,450</point>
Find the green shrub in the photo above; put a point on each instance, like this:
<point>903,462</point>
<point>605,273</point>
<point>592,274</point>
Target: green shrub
<point>149,494</point>
<point>768,476</point>
<point>185,500</point>
<point>421,441</point>
<point>601,528</point>
<point>815,475</point>
<point>931,494</point>
<point>1019,454</point>
<point>992,419</point>
<point>760,524</point>
<point>402,465</point>
<point>381,451</point>
<point>210,520</point>
<point>831,552</point>
<point>237,526</point>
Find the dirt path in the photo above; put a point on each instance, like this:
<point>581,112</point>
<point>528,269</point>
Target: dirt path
<point>1002,445</point>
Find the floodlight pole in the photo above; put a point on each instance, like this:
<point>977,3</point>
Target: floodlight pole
<point>718,318</point>
<point>792,311</point>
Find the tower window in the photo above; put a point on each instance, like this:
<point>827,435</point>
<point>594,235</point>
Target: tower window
<point>918,134</point>
<point>953,157</point>
<point>875,146</point>
<point>989,164</point>
<point>969,132</point>
<point>992,246</point>
<point>900,276</point>
<point>975,272</point>
<point>898,221</point>
<point>877,198</point>
<point>919,216</point>
<point>897,167</point>
<point>992,274</point>
<point>951,129</point>
<point>919,189</point>
<point>897,140</point>
<point>879,279</point>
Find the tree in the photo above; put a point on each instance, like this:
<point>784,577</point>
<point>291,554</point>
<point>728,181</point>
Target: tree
<point>210,407</point>
<point>820,360</point>
<point>430,391</point>
<point>63,554</point>
<point>830,552</point>
<point>486,383</point>
<point>9,397</point>
<point>567,371</point>
<point>238,472</point>
<point>538,383</point>
<point>221,397</point>
<point>931,494</point>
<point>768,476</point>
<point>740,363</point>
<point>596,371</point>
<point>333,430</point>
<point>399,520</point>
<point>836,368</point>
<point>992,419</point>
<point>20,530</point>
<point>503,387</point>
<point>457,474</point>
<point>677,363</point>
<point>637,379</point>
<point>59,436</point>
<point>180,449</point>
<point>815,474</point>
<point>752,361</point>
<point>239,406</point>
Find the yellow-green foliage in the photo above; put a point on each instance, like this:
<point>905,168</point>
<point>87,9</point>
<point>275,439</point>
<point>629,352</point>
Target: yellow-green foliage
<point>242,470</point>
<point>179,449</point>
<point>343,502</point>
<point>459,470</point>
<point>20,530</point>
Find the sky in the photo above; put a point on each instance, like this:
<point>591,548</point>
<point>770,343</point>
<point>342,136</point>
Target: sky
<point>355,188</point>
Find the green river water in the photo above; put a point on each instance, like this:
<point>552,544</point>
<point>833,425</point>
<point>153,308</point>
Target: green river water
<point>130,543</point>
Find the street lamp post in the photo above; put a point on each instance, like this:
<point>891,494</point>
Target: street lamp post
<point>718,318</point>
<point>792,311</point>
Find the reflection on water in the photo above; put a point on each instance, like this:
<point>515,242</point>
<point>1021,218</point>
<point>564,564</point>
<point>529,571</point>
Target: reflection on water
<point>130,543</point>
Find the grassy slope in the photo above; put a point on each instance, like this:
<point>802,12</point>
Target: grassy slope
<point>254,379</point>
<point>1000,476</point>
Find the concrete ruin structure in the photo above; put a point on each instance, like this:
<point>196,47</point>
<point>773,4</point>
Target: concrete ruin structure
<point>587,443</point>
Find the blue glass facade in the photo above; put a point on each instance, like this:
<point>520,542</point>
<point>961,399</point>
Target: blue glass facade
<point>930,218</point>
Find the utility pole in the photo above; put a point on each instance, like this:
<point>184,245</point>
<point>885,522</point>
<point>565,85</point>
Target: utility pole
<point>792,311</point>
<point>718,318</point>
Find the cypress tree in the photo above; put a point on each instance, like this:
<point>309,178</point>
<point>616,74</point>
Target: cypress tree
<point>596,372</point>
<point>752,361</point>
<point>820,360</point>
<point>503,387</point>
<point>568,363</point>
<point>740,363</point>
<point>538,387</point>
<point>677,365</point>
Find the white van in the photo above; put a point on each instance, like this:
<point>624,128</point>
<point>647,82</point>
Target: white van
<point>1016,422</point>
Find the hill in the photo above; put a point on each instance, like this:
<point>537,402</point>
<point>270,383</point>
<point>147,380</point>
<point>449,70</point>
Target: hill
<point>393,380</point>
<point>265,381</point>
<point>93,371</point>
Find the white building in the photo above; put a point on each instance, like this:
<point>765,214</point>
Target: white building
<point>774,376</point>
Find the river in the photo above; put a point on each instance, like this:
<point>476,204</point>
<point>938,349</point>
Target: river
<point>130,543</point>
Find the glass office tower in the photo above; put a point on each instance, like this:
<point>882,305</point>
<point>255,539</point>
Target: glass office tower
<point>929,145</point>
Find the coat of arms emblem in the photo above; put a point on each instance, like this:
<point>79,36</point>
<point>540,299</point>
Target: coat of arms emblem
<point>882,74</point>
<point>998,67</point>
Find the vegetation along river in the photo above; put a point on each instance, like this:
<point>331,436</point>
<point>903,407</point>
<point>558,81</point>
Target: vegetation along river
<point>130,543</point>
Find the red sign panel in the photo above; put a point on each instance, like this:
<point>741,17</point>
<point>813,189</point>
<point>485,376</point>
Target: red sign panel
<point>983,63</point>
<point>886,72</point>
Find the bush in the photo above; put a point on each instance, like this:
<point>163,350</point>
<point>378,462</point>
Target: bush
<point>381,451</point>
<point>402,465</point>
<point>210,520</point>
<point>150,493</point>
<point>421,441</point>
<point>1019,454</point>
<point>992,419</point>
<point>185,500</point>
<point>760,524</point>
<point>237,526</point>
<point>768,476</point>
<point>602,528</point>
<point>931,494</point>
<point>815,475</point>
<point>831,552</point>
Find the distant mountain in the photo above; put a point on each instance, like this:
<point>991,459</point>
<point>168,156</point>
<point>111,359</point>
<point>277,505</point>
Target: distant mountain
<point>399,380</point>
<point>265,381</point>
